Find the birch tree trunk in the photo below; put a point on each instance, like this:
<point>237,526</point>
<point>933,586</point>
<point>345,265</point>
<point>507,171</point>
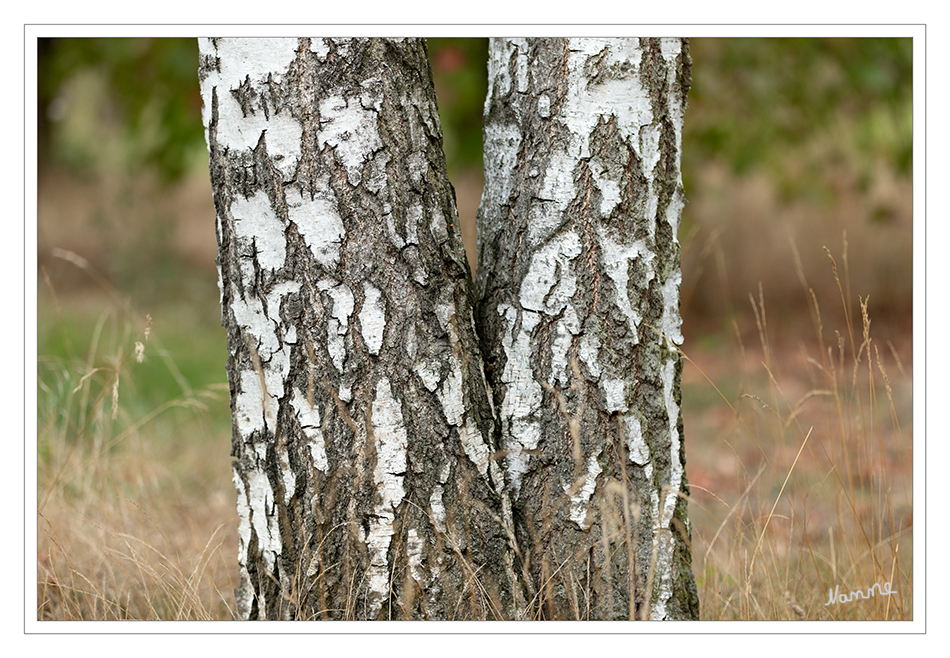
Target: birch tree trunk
<point>362,422</point>
<point>578,286</point>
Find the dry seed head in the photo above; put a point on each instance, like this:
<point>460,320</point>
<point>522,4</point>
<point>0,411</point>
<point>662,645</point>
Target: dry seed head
<point>834,265</point>
<point>793,605</point>
<point>84,378</point>
<point>866,321</point>
<point>115,397</point>
<point>72,257</point>
<point>880,366</point>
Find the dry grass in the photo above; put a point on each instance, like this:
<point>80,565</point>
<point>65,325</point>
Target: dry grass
<point>807,489</point>
<point>800,467</point>
<point>134,520</point>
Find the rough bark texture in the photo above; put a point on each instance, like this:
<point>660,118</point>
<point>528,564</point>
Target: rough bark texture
<point>578,287</point>
<point>363,426</point>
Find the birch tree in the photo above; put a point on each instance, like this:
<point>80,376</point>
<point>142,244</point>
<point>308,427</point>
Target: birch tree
<point>578,286</point>
<point>363,427</point>
<point>406,444</point>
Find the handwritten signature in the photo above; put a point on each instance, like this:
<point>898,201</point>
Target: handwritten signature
<point>835,597</point>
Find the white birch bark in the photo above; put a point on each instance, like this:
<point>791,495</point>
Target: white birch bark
<point>363,425</point>
<point>578,283</point>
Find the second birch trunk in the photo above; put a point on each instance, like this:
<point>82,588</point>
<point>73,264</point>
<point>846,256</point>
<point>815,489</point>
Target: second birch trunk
<point>578,283</point>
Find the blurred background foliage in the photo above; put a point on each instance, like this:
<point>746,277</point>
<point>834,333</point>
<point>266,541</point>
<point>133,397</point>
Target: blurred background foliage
<point>754,100</point>
<point>134,103</point>
<point>125,104</point>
